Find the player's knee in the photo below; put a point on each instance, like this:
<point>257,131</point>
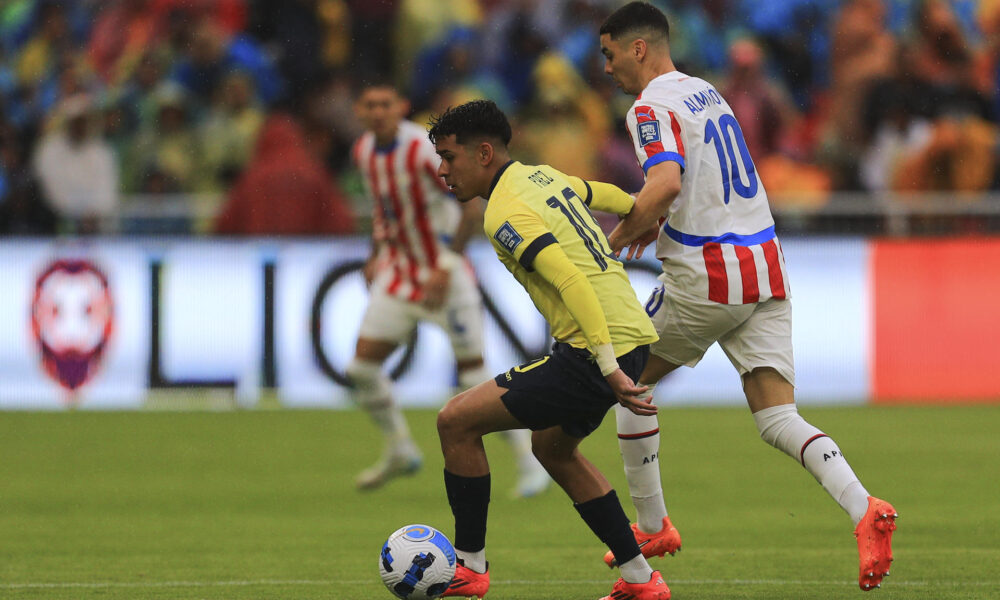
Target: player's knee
<point>550,454</point>
<point>773,422</point>
<point>633,425</point>
<point>471,373</point>
<point>450,422</point>
<point>364,374</point>
<point>782,427</point>
<point>543,452</point>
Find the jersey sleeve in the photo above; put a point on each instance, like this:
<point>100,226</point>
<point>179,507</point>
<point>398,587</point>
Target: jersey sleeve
<point>656,135</point>
<point>605,197</point>
<point>577,294</point>
<point>518,231</point>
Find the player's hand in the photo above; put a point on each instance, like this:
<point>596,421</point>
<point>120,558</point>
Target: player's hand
<point>369,271</point>
<point>436,288</point>
<point>616,239</point>
<point>639,244</point>
<point>619,242</point>
<point>629,394</point>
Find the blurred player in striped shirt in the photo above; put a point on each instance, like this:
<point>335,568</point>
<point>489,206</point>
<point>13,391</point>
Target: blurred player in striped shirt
<point>416,272</point>
<point>724,278</point>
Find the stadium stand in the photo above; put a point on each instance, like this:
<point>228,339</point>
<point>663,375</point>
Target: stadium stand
<point>867,116</point>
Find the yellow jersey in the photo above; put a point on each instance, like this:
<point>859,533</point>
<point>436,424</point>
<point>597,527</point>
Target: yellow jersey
<point>535,213</point>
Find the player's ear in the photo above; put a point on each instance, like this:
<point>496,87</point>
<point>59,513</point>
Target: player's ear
<point>484,153</point>
<point>639,49</point>
<point>404,107</point>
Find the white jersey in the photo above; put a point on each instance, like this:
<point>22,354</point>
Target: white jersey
<point>415,215</point>
<point>718,239</point>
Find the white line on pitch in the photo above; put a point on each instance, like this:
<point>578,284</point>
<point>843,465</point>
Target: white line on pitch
<point>332,582</point>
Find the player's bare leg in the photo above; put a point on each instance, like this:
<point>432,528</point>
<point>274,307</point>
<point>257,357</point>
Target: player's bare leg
<point>597,503</point>
<point>461,424</point>
<point>772,401</point>
<point>639,442</point>
<point>532,478</point>
<point>373,392</point>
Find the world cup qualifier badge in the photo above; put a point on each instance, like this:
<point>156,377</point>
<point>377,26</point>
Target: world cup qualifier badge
<point>508,237</point>
<point>649,132</point>
<point>72,319</point>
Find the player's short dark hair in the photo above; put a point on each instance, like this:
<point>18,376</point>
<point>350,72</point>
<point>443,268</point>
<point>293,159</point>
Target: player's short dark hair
<point>472,121</point>
<point>374,81</point>
<point>636,17</point>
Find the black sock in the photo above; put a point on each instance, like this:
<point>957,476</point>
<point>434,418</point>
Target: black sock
<point>607,520</point>
<point>469,498</point>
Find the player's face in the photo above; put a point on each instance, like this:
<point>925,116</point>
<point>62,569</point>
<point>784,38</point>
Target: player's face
<point>380,110</point>
<point>619,64</point>
<point>459,169</point>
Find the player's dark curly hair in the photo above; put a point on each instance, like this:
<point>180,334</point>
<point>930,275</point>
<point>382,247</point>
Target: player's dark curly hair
<point>471,121</point>
<point>635,17</point>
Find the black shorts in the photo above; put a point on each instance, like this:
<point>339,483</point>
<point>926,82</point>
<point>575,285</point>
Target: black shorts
<point>565,388</point>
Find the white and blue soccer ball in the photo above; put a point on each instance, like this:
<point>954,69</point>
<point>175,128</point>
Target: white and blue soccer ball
<point>417,562</point>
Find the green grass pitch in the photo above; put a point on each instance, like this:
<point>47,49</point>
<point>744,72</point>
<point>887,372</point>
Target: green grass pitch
<point>261,504</point>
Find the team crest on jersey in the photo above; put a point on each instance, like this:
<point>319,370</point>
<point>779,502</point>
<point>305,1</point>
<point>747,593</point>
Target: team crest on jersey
<point>507,237</point>
<point>649,132</point>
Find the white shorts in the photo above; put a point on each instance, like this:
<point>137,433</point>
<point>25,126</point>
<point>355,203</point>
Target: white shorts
<point>752,335</point>
<point>392,319</point>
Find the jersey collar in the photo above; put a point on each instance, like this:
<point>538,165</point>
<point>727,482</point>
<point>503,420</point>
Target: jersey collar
<point>496,178</point>
<point>387,148</point>
<point>671,76</point>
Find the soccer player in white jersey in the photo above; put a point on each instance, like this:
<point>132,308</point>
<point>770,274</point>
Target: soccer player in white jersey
<point>724,278</point>
<point>416,272</point>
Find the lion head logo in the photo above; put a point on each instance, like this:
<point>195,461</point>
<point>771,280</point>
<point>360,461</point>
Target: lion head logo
<point>72,317</point>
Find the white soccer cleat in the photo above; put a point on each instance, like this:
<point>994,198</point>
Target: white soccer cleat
<point>389,467</point>
<point>532,481</point>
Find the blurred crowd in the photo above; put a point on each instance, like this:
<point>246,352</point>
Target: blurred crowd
<point>246,106</point>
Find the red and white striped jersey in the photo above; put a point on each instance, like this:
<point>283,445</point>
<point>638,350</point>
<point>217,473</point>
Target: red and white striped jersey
<point>415,214</point>
<point>718,240</point>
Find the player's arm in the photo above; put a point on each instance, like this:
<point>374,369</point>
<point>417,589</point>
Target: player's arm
<point>380,234</point>
<point>379,230</point>
<point>522,233</point>
<point>552,264</point>
<point>471,221</point>
<point>657,138</point>
<point>602,196</point>
<point>663,184</point>
<point>436,289</point>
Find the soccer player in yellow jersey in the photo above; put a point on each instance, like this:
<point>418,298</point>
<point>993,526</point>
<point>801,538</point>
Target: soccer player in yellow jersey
<point>541,228</point>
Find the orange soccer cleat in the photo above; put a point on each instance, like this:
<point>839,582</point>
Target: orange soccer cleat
<point>666,541</point>
<point>874,533</point>
<point>654,589</point>
<point>468,584</point>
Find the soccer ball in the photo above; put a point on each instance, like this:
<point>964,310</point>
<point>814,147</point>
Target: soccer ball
<point>417,562</point>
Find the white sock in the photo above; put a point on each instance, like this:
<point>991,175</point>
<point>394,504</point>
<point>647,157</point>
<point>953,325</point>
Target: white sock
<point>520,444</point>
<point>783,428</point>
<point>373,392</point>
<point>639,442</point>
<point>636,570</point>
<point>468,378</point>
<point>473,560</point>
